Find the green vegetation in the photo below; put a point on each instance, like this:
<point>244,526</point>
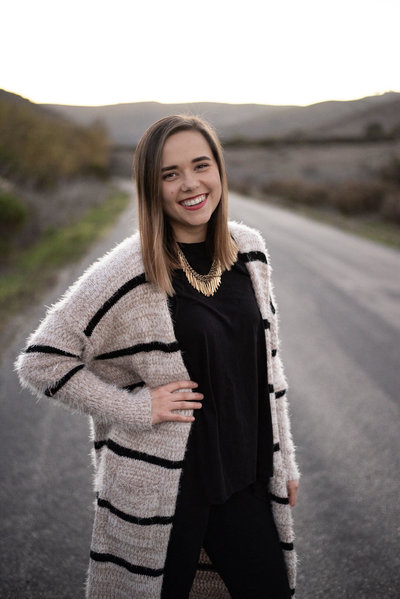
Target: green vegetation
<point>373,132</point>
<point>13,211</point>
<point>41,148</point>
<point>351,207</point>
<point>34,268</point>
<point>378,198</point>
<point>367,208</point>
<point>14,214</point>
<point>364,226</point>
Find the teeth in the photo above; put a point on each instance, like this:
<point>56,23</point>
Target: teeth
<point>194,201</point>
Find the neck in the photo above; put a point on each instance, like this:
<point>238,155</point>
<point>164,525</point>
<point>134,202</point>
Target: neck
<point>185,236</point>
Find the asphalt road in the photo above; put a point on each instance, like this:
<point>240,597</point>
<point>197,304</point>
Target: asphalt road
<point>340,318</point>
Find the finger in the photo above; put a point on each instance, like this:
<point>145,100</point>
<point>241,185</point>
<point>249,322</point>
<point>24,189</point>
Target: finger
<point>175,385</point>
<point>187,397</point>
<point>186,405</point>
<point>173,417</point>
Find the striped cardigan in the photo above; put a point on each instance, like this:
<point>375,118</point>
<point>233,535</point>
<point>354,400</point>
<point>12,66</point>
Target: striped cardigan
<point>99,350</point>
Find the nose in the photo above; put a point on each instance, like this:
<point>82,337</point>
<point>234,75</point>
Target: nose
<point>189,181</point>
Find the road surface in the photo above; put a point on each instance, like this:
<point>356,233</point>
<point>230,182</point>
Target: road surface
<point>340,318</point>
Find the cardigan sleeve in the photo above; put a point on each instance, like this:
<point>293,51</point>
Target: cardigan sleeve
<point>280,387</point>
<point>53,365</point>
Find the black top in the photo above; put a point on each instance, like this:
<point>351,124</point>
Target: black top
<point>222,339</point>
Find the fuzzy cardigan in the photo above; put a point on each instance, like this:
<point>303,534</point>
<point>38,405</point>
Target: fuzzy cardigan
<point>99,351</point>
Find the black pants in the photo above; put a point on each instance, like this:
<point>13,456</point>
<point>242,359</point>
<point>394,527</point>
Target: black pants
<point>241,540</point>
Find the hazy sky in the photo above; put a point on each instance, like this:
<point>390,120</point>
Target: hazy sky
<point>265,51</point>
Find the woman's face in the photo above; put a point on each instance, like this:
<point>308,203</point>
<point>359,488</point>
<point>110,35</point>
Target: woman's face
<point>191,186</point>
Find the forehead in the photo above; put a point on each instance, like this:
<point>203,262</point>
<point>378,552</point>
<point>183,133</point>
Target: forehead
<point>185,146</point>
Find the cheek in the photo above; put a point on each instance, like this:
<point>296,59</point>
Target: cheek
<point>167,195</point>
<point>168,202</point>
<point>218,187</point>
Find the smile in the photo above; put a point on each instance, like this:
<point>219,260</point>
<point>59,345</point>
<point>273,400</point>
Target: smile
<point>195,203</point>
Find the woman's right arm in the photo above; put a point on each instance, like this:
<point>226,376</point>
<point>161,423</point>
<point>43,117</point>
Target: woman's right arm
<point>52,364</point>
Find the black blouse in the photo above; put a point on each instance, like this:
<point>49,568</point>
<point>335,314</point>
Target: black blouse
<point>222,339</point>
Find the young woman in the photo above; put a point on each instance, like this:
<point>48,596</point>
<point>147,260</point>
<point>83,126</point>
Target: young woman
<point>170,343</point>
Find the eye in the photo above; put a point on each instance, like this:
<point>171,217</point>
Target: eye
<point>202,165</point>
<point>169,176</point>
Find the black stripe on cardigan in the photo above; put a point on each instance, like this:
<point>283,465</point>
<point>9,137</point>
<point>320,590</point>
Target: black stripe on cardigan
<point>139,347</point>
<point>266,323</point>
<point>280,393</point>
<point>276,447</point>
<point>274,352</point>
<point>109,557</point>
<point>48,349</point>
<point>271,305</point>
<point>134,386</point>
<point>292,591</point>
<point>111,301</point>
<point>252,256</point>
<point>277,499</point>
<point>99,444</point>
<point>271,388</point>
<point>50,391</point>
<point>139,455</point>
<point>286,546</point>
<point>133,519</point>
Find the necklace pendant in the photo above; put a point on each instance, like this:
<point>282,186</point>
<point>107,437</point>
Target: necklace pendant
<point>206,284</point>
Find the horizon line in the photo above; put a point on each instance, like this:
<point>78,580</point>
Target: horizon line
<point>102,105</point>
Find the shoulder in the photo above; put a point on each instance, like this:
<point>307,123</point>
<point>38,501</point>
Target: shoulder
<point>247,238</point>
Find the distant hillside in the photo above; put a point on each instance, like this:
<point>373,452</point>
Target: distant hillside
<point>126,122</point>
<point>40,146</point>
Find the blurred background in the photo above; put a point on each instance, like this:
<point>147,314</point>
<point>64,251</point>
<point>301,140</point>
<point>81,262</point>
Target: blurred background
<point>305,97</point>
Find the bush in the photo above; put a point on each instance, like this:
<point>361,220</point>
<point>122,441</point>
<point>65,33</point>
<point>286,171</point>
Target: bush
<point>374,131</point>
<point>353,197</point>
<point>40,148</point>
<point>390,209</point>
<point>298,192</point>
<point>391,171</point>
<point>13,213</point>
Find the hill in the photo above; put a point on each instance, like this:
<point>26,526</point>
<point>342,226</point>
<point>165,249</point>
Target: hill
<point>125,123</point>
<point>40,146</point>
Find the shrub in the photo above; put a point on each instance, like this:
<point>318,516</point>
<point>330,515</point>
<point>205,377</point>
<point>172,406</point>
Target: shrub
<point>298,192</point>
<point>13,213</point>
<point>391,171</point>
<point>374,131</point>
<point>353,197</point>
<point>390,209</point>
<point>40,148</point>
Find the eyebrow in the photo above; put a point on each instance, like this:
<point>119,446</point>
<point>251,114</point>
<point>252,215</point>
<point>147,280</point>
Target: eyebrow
<point>174,166</point>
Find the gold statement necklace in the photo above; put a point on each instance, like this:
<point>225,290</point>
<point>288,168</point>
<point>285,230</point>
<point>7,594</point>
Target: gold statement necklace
<point>205,284</point>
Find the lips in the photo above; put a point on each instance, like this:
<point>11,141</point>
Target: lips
<point>194,203</point>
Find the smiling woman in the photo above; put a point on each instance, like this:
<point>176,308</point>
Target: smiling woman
<point>179,161</point>
<point>170,343</point>
<point>191,189</point>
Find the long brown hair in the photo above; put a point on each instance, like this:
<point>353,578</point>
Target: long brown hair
<point>156,233</point>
